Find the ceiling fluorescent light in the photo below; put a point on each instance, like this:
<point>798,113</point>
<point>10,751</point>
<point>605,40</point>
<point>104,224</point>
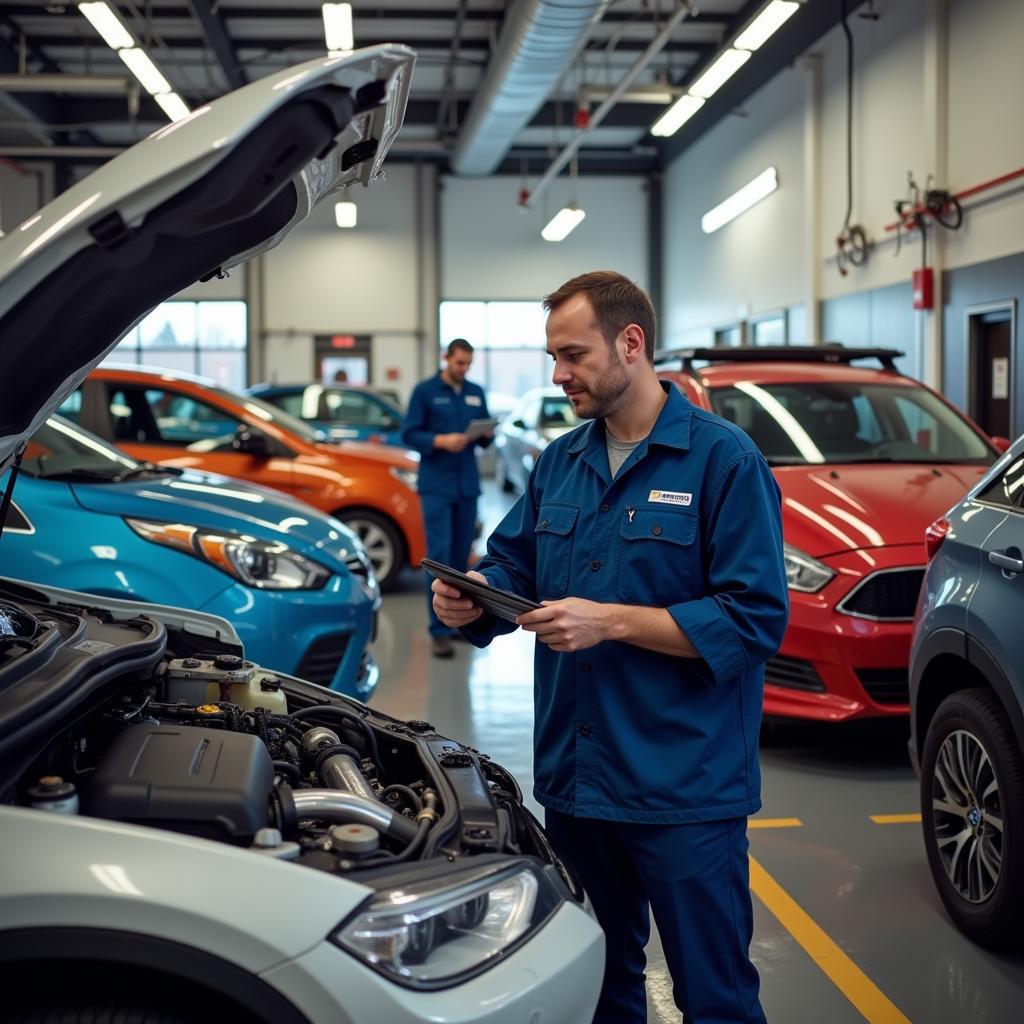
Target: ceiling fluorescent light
<point>172,105</point>
<point>345,214</point>
<point>338,27</point>
<point>719,73</point>
<point>739,202</point>
<point>562,223</point>
<point>676,116</point>
<point>772,18</point>
<point>145,71</point>
<point>108,24</point>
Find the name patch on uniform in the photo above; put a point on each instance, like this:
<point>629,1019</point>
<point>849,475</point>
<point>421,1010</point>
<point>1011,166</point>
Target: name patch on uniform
<point>670,497</point>
<point>472,399</point>
<point>441,400</point>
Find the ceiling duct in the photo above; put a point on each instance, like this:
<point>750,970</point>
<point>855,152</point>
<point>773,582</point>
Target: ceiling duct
<point>538,42</point>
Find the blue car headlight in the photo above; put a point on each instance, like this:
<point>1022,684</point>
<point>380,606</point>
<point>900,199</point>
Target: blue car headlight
<point>438,933</point>
<point>264,565</point>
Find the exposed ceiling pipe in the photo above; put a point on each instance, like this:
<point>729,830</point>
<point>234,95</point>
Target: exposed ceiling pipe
<point>63,83</point>
<point>539,40</point>
<point>59,152</point>
<point>602,111</point>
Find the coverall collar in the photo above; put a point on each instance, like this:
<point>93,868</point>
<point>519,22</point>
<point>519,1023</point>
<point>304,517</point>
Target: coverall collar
<point>671,429</point>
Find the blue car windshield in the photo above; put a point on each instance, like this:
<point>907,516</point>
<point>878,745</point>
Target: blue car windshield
<point>815,422</point>
<point>61,450</point>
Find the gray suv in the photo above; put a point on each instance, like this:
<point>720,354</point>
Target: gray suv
<point>967,705</point>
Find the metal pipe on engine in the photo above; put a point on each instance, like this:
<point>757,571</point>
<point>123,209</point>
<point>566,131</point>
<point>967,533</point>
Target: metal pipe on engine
<point>338,805</point>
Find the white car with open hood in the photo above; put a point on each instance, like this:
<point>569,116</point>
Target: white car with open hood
<point>185,835</point>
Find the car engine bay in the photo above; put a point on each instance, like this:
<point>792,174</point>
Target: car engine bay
<point>121,717</point>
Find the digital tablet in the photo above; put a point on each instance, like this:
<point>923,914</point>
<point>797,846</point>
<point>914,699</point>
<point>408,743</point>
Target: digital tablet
<point>477,428</point>
<point>502,603</point>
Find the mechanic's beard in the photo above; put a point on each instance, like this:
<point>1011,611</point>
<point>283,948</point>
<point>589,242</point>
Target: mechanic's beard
<point>606,396</point>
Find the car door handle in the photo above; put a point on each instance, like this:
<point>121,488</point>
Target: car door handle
<point>1006,562</point>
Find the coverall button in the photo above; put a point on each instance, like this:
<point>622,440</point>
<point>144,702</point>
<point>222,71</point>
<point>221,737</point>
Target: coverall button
<point>584,666</point>
<point>604,507</point>
<point>584,729</point>
<point>656,530</point>
<point>595,565</point>
<point>543,524</point>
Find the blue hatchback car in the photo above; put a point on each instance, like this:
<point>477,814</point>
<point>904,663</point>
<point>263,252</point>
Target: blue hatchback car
<point>342,412</point>
<point>295,583</point>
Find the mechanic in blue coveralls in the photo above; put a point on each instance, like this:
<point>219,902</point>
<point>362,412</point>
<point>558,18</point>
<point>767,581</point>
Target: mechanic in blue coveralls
<point>653,537</point>
<point>440,409</point>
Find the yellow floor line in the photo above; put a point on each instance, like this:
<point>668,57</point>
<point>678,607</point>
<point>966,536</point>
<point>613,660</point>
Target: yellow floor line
<point>863,993</point>
<point>774,823</point>
<point>896,819</point>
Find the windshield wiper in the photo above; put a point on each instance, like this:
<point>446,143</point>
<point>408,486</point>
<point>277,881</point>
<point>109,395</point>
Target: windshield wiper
<point>80,473</point>
<point>148,468</point>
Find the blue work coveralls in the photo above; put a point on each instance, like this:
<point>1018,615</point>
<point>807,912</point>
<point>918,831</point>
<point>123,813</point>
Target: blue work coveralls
<point>646,763</point>
<point>448,482</point>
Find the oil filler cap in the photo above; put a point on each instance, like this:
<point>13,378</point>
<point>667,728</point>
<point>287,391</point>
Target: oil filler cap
<point>354,839</point>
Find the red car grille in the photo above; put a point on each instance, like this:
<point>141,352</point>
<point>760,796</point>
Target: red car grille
<point>885,685</point>
<point>888,594</point>
<point>793,673</point>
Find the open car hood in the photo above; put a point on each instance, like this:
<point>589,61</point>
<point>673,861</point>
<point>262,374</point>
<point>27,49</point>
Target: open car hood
<point>195,198</point>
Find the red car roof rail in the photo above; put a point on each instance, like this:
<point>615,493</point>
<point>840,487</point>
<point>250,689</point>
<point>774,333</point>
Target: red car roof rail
<point>827,353</point>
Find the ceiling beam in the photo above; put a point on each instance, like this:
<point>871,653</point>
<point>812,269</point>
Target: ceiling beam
<point>292,11</point>
<point>439,43</point>
<point>100,110</point>
<point>212,24</point>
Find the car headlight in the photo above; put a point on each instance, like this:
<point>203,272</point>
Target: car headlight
<point>265,565</point>
<point>405,476</point>
<point>438,933</point>
<point>804,573</point>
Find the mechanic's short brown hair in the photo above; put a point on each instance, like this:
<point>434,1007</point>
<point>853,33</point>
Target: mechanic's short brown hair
<point>616,301</point>
<point>459,343</point>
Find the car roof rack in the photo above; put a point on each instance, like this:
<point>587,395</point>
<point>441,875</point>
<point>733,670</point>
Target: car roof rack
<point>830,352</point>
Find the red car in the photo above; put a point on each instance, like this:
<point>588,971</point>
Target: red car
<point>866,460</point>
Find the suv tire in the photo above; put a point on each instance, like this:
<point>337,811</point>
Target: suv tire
<point>973,766</point>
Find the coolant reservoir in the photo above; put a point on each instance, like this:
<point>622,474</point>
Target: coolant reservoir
<point>226,677</point>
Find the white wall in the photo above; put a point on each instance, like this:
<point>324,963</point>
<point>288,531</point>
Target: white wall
<point>491,247</point>
<point>756,264</point>
<point>381,278</point>
<point>937,90</point>
<point>324,280</point>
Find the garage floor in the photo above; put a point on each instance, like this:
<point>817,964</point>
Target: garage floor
<point>847,924</point>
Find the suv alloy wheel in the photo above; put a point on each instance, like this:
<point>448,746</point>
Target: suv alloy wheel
<point>972,796</point>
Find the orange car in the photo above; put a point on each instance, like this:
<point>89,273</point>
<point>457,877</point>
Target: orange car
<point>179,420</point>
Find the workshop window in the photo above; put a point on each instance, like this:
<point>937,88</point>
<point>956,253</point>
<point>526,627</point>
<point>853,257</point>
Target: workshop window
<point>509,344</point>
<point>206,338</point>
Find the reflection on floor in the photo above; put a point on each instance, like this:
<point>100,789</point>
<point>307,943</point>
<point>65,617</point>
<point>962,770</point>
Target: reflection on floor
<point>883,951</point>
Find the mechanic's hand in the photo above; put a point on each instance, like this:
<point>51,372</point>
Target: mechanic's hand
<point>451,442</point>
<point>571,624</point>
<point>451,607</point>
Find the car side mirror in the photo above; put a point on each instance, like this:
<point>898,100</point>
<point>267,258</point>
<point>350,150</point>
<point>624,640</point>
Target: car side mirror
<point>1001,444</point>
<point>251,442</point>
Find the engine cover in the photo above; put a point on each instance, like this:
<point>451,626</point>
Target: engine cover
<point>201,781</point>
